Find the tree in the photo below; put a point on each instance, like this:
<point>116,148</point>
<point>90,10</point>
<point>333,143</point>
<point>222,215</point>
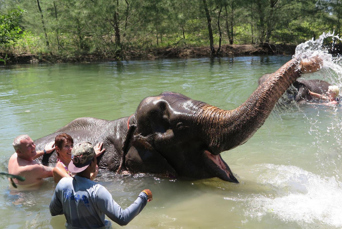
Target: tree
<point>210,30</point>
<point>10,29</point>
<point>229,6</point>
<point>333,9</point>
<point>43,23</point>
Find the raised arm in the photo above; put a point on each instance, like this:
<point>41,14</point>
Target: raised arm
<point>115,212</point>
<point>49,148</point>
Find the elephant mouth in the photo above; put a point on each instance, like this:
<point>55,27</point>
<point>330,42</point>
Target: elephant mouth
<point>220,168</point>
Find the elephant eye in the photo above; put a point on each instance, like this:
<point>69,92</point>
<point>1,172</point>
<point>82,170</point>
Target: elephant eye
<point>180,126</point>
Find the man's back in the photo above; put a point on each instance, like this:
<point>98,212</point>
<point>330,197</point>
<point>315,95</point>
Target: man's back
<point>85,204</point>
<point>77,197</point>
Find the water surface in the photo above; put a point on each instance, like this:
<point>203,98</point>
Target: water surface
<point>289,171</point>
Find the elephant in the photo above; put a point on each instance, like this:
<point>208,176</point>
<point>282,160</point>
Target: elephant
<point>174,136</point>
<point>299,90</point>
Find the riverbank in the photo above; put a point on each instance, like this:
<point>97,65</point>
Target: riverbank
<point>157,53</point>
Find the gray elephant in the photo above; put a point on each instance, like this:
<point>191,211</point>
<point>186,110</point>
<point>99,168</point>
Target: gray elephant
<point>174,136</point>
<point>299,90</point>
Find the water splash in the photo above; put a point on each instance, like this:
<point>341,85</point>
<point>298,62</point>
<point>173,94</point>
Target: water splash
<point>326,132</point>
<point>303,197</point>
<point>323,47</point>
<point>330,72</point>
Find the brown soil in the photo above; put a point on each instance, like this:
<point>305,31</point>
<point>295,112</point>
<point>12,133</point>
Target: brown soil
<point>159,53</point>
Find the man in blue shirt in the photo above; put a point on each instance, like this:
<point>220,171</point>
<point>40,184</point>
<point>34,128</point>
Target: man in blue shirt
<point>85,202</point>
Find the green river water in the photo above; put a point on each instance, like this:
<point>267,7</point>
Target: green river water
<point>290,171</point>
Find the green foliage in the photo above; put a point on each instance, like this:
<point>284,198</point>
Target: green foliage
<point>115,28</point>
<point>10,29</point>
<point>29,43</point>
<point>4,60</point>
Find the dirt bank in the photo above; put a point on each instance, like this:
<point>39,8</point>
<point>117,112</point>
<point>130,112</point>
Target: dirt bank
<point>158,53</point>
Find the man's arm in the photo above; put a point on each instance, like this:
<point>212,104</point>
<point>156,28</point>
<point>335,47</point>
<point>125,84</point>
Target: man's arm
<point>49,148</point>
<point>114,211</point>
<point>56,207</point>
<point>36,171</point>
<point>45,171</point>
<point>98,151</point>
<point>34,174</point>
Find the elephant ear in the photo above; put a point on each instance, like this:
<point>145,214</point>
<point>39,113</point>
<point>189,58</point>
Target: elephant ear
<point>142,158</point>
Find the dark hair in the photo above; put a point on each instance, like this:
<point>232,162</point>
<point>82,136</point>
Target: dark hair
<point>63,138</point>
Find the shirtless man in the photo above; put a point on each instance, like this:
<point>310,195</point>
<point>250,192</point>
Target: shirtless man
<point>22,163</point>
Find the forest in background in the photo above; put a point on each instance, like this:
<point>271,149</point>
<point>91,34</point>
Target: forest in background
<point>124,29</point>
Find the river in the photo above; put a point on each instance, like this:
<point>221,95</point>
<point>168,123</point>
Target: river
<point>289,171</point>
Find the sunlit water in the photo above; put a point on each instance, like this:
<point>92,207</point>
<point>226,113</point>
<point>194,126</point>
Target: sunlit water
<point>289,171</point>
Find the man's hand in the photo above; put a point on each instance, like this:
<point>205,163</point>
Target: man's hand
<point>98,149</point>
<point>50,147</point>
<point>148,193</point>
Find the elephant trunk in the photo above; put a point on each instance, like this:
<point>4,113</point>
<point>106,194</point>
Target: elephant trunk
<point>228,129</point>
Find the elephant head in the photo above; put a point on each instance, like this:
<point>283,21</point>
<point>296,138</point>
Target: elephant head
<point>174,135</point>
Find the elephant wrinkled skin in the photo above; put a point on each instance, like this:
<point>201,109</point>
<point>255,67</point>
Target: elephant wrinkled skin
<point>174,136</point>
<point>299,91</point>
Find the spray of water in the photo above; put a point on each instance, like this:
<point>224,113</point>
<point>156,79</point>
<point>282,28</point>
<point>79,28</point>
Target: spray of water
<point>327,134</point>
<point>324,47</point>
<point>305,198</point>
<point>331,72</point>
<point>310,199</point>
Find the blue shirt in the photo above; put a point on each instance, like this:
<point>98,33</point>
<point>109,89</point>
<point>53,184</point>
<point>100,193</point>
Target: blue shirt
<point>85,204</point>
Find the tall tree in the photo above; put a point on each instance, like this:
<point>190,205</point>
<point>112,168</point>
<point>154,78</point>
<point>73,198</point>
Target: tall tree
<point>229,19</point>
<point>55,10</point>
<point>43,23</point>
<point>210,30</point>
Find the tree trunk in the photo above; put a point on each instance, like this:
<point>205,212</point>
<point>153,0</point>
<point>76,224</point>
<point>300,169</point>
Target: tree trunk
<point>116,25</point>
<point>261,26</point>
<point>211,38</point>
<point>227,26</point>
<point>57,30</point>
<point>270,21</point>
<point>126,13</point>
<point>230,24</point>
<point>41,15</point>
<point>219,29</point>
<point>252,25</point>
<point>79,34</point>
